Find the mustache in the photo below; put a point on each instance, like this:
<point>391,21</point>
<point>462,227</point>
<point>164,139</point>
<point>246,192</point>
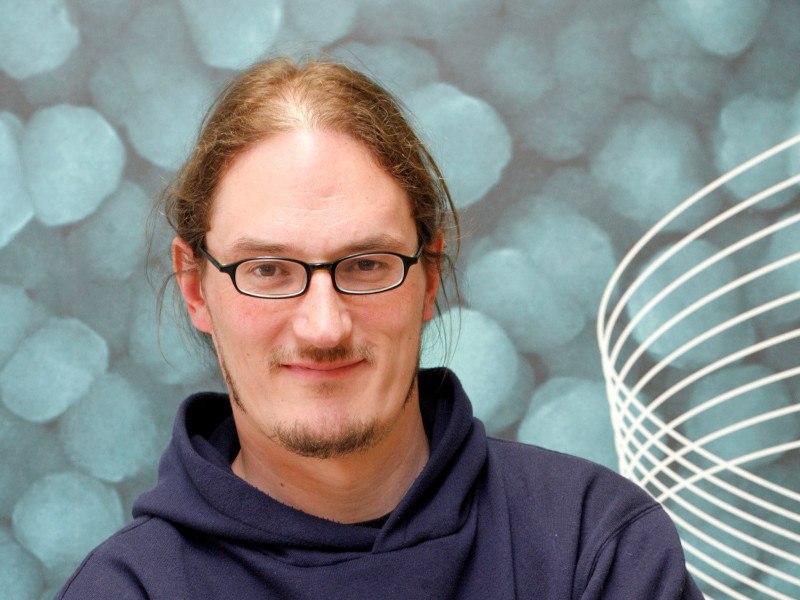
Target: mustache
<point>340,353</point>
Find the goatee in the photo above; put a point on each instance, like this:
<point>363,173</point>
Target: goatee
<point>300,438</point>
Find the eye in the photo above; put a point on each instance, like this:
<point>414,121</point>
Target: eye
<point>272,276</point>
<point>264,270</point>
<point>368,264</point>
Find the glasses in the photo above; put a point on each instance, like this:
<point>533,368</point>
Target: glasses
<point>359,274</point>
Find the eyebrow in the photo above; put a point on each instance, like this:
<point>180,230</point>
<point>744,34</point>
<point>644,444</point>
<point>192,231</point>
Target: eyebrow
<point>255,247</point>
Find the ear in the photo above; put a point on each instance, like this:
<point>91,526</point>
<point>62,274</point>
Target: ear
<point>432,280</point>
<point>189,279</point>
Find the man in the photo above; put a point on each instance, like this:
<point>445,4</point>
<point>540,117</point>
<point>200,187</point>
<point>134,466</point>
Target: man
<point>311,227</point>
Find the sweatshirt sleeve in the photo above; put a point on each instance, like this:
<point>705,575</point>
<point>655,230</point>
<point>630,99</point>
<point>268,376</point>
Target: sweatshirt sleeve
<point>642,559</point>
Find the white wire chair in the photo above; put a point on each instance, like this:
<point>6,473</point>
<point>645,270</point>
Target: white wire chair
<point>689,319</point>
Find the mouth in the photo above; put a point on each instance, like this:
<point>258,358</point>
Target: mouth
<point>323,370</point>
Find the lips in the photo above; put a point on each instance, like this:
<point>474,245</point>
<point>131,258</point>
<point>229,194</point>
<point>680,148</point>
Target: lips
<point>323,369</point>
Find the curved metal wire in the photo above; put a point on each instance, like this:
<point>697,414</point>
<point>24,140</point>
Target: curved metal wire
<point>740,526</point>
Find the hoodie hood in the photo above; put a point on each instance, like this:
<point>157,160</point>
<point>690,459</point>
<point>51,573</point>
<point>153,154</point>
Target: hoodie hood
<point>197,490</point>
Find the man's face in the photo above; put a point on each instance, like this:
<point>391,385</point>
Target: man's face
<point>323,373</point>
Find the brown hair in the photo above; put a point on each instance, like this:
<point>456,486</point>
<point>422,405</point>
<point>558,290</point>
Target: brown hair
<point>279,95</point>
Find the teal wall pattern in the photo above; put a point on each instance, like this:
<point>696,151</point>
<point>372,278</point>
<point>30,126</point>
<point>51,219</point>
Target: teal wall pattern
<point>566,130</point>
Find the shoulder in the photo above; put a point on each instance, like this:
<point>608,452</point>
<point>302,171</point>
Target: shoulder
<point>526,467</point>
<point>544,486</point>
<point>119,562</point>
<point>570,496</point>
<point>619,537</point>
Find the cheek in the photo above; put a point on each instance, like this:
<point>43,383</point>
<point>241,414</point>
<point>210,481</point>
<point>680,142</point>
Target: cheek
<point>399,319</point>
<point>240,323</point>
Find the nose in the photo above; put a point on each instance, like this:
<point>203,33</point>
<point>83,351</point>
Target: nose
<point>322,318</point>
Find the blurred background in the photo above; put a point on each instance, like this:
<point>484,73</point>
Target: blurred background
<point>565,129</point>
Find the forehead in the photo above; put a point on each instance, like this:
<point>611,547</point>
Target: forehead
<point>313,193</point>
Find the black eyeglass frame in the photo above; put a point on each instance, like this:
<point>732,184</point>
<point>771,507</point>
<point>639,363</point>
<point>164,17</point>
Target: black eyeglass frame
<point>330,267</point>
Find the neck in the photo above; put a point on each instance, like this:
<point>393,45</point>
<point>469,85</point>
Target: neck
<point>357,487</point>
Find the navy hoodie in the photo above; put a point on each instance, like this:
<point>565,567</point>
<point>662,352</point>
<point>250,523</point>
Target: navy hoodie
<point>486,519</point>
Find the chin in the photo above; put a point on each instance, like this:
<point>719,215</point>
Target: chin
<point>354,437</point>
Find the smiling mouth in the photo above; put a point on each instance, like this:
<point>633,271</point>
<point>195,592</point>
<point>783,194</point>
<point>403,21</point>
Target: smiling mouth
<point>323,370</point>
